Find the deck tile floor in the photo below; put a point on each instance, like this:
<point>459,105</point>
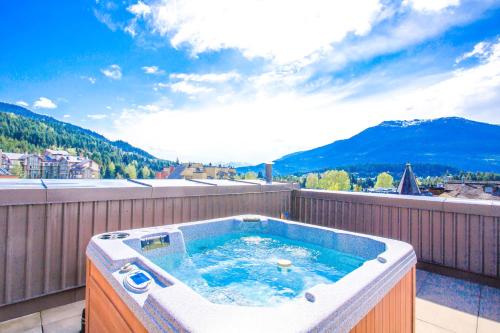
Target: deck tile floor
<point>444,304</point>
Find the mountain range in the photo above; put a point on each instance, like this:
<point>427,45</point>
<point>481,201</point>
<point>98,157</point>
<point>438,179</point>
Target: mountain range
<point>452,142</point>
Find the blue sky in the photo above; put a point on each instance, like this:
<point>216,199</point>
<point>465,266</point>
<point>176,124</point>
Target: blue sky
<point>249,81</point>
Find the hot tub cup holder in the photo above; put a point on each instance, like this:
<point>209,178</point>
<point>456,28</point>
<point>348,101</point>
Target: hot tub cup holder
<point>126,268</point>
<point>114,235</point>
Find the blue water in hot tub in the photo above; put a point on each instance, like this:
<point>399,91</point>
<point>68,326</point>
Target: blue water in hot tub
<point>241,268</point>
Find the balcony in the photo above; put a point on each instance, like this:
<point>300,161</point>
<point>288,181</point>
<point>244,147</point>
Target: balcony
<point>45,226</point>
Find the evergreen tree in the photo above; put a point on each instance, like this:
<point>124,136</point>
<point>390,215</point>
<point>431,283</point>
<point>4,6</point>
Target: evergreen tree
<point>110,170</point>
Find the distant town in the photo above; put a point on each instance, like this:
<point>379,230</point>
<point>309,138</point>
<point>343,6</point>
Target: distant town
<point>60,164</point>
<point>196,171</point>
<point>467,185</point>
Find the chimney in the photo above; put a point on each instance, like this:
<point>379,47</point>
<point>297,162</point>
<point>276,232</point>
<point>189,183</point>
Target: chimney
<point>269,172</point>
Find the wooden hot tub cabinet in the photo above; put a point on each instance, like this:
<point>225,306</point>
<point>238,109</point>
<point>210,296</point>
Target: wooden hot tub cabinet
<point>395,312</point>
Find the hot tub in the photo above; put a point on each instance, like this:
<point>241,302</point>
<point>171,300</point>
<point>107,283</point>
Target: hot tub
<point>248,274</point>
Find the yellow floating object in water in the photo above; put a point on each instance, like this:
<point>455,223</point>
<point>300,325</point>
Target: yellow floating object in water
<point>284,263</point>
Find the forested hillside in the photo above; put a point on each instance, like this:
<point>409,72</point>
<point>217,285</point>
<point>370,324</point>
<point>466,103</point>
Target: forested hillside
<point>24,131</point>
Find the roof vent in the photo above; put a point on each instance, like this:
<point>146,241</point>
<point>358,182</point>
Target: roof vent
<point>269,172</point>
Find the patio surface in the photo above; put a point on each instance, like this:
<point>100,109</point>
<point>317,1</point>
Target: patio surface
<point>444,304</point>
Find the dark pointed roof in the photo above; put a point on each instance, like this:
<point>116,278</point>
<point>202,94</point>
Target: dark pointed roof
<point>408,184</point>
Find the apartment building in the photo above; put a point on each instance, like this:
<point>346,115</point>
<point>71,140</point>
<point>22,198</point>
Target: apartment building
<point>52,164</point>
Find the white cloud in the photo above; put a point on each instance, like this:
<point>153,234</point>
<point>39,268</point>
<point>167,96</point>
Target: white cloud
<point>153,70</point>
<point>66,116</point>
<point>301,33</point>
<point>161,85</point>
<point>431,5</point>
<point>97,116</point>
<point>149,107</point>
<point>130,29</point>
<point>481,50</point>
<point>188,88</point>
<point>283,31</point>
<point>282,77</point>
<point>114,72</point>
<point>264,122</point>
<point>207,78</point>
<point>195,84</point>
<point>139,9</point>
<point>91,79</point>
<point>408,30</point>
<point>106,19</point>
<point>44,103</point>
<point>22,103</point>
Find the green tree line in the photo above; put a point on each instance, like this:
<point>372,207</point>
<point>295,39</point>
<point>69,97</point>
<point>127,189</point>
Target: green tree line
<point>341,180</point>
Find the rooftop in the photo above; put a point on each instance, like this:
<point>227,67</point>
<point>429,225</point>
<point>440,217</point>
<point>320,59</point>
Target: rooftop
<point>14,156</point>
<point>470,190</point>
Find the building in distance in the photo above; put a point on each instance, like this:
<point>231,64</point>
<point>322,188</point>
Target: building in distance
<point>196,171</point>
<point>52,164</point>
